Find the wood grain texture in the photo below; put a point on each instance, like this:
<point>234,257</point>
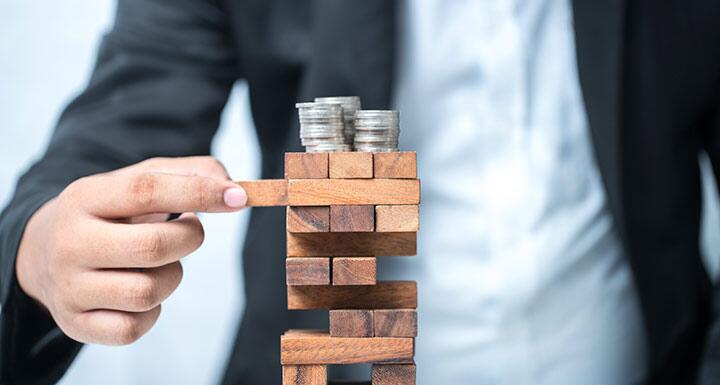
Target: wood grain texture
<point>307,271</point>
<point>327,192</point>
<point>306,165</point>
<point>308,219</point>
<point>397,218</point>
<point>353,218</point>
<point>351,165</point>
<point>351,244</point>
<point>354,271</point>
<point>313,347</point>
<point>393,165</point>
<point>344,382</point>
<point>267,192</point>
<point>393,374</point>
<point>384,295</point>
<point>351,323</point>
<point>304,375</point>
<point>395,323</point>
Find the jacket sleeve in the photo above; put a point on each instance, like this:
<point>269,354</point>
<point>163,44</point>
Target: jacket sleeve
<point>162,77</point>
<point>710,363</point>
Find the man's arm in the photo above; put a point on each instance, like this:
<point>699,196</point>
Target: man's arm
<point>162,77</point>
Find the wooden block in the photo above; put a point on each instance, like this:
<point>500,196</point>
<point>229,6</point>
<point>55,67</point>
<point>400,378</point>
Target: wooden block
<point>394,165</point>
<point>351,323</point>
<point>267,192</point>
<point>397,218</point>
<point>307,271</point>
<point>308,219</point>
<point>354,271</point>
<point>351,165</point>
<point>397,361</point>
<point>393,374</point>
<point>343,382</point>
<point>384,295</point>
<point>314,347</point>
<point>328,192</point>
<point>306,165</point>
<point>304,374</point>
<point>353,218</point>
<point>395,323</point>
<point>350,244</point>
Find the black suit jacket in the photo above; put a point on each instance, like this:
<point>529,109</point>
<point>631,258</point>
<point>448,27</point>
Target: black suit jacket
<point>650,75</point>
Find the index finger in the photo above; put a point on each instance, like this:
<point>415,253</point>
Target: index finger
<point>128,195</point>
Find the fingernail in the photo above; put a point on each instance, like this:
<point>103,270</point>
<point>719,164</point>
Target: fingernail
<point>235,197</point>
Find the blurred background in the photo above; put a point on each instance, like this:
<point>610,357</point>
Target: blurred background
<point>47,50</point>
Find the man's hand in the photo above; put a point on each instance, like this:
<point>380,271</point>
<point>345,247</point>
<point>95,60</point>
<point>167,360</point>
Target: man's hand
<point>102,257</point>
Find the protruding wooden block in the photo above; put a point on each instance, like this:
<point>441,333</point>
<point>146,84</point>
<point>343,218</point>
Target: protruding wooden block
<point>351,323</point>
<point>395,323</point>
<point>392,165</point>
<point>393,374</point>
<point>351,165</point>
<point>354,271</point>
<point>384,295</point>
<point>306,165</point>
<point>307,271</point>
<point>304,375</point>
<point>313,347</point>
<point>397,218</point>
<point>308,219</point>
<point>350,244</point>
<point>267,192</point>
<point>352,219</point>
<point>328,192</point>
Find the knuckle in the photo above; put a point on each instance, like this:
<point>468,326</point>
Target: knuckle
<point>75,188</point>
<point>213,163</point>
<point>176,274</point>
<point>144,293</point>
<point>152,246</point>
<point>180,272</point>
<point>143,189</point>
<point>203,197</point>
<point>72,324</point>
<point>198,234</point>
<point>128,329</point>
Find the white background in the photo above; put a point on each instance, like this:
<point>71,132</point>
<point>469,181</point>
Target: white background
<point>46,52</point>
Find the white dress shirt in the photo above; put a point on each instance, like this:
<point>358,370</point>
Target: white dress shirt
<point>522,279</point>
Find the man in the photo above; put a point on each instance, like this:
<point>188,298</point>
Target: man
<point>559,139</point>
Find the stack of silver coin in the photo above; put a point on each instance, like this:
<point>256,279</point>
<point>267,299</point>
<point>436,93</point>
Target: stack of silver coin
<point>377,130</point>
<point>322,128</point>
<point>349,104</point>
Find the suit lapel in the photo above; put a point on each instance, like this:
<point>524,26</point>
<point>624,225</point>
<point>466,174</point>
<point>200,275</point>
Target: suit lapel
<point>599,30</point>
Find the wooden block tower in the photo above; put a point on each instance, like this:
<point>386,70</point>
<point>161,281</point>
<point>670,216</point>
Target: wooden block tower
<point>343,210</point>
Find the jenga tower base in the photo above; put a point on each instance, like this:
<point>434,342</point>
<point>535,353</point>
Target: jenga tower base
<point>344,210</point>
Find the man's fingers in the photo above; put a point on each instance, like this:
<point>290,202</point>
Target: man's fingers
<point>147,245</point>
<point>131,290</point>
<point>129,195</point>
<point>189,165</point>
<point>112,327</point>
